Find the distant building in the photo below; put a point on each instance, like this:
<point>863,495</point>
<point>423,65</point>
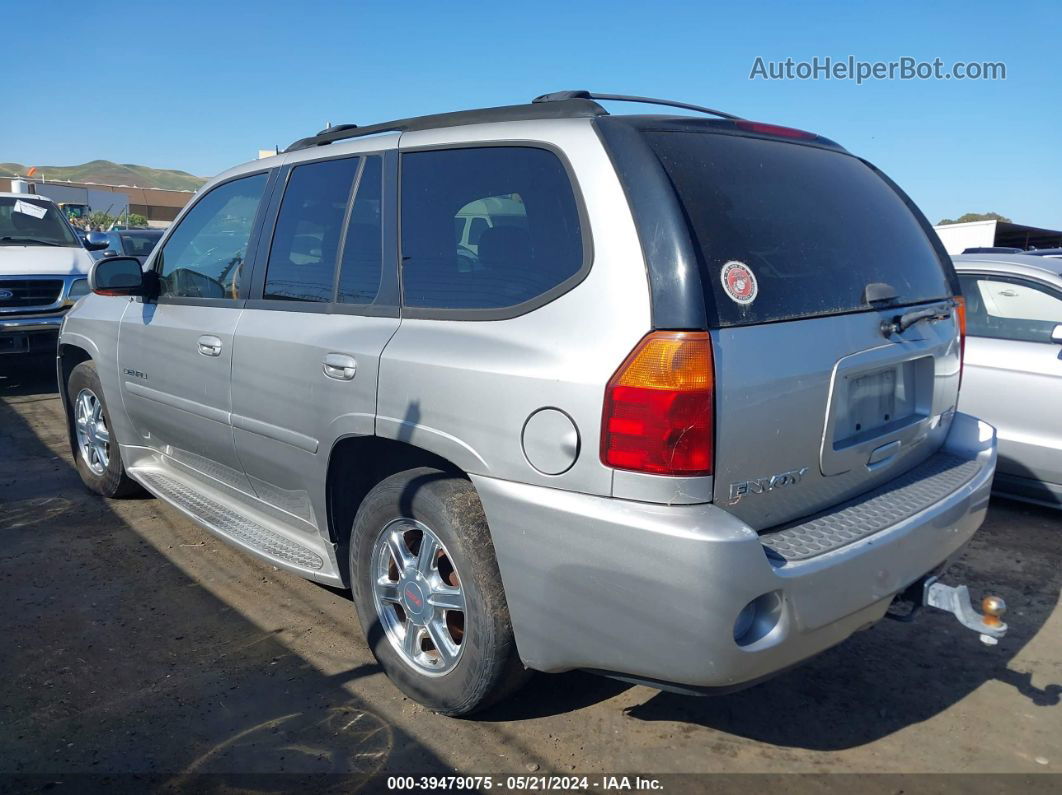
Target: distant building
<point>159,206</point>
<point>986,234</point>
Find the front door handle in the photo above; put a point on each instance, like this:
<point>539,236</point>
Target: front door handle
<point>339,366</point>
<point>209,346</point>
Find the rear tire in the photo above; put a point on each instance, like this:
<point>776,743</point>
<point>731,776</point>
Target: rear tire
<point>97,456</point>
<point>455,661</point>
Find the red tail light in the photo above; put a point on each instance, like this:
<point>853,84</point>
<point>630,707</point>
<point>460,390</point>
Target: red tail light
<point>960,317</point>
<point>658,415</point>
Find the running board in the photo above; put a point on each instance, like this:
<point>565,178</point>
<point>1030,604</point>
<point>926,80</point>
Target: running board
<point>229,524</point>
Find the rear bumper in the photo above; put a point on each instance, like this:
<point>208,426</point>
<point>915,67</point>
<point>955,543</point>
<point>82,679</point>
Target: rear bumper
<point>654,591</point>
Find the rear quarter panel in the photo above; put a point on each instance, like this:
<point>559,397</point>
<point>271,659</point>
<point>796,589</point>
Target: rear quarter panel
<point>465,388</point>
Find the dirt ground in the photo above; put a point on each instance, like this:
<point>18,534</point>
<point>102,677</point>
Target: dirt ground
<point>133,642</point>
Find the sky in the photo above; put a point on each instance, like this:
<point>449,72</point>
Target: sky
<point>201,86</point>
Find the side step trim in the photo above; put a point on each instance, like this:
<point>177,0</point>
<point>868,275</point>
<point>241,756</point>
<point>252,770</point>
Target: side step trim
<point>228,523</point>
<point>870,513</point>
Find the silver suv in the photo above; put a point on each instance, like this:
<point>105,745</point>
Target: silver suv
<point>681,411</point>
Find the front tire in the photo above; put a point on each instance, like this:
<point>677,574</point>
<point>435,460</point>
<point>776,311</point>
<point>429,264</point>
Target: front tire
<point>96,453</point>
<point>429,595</point>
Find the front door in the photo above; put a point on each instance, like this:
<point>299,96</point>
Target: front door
<point>175,353</point>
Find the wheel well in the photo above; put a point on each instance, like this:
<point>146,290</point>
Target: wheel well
<point>71,356</point>
<point>359,463</point>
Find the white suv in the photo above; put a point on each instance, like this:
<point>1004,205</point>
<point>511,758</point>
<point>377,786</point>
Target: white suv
<point>43,270</point>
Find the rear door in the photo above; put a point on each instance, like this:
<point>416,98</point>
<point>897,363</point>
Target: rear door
<point>1009,352</point>
<point>324,305</point>
<point>807,255</point>
<point>175,353</point>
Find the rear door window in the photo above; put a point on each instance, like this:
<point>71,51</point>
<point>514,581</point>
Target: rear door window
<point>1010,308</point>
<point>362,258</point>
<point>302,258</point>
<point>797,230</point>
<point>487,228</point>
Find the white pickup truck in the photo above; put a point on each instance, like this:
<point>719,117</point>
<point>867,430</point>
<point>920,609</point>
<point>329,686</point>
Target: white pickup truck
<point>43,271</point>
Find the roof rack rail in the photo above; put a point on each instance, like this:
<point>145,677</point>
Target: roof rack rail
<point>575,108</point>
<point>561,96</point>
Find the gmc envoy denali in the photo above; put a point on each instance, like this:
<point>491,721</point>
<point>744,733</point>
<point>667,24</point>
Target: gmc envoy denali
<point>666,397</point>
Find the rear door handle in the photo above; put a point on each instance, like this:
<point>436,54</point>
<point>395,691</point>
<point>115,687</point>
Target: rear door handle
<point>209,346</point>
<point>339,366</point>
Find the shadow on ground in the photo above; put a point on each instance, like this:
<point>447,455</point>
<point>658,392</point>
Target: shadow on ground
<point>119,670</point>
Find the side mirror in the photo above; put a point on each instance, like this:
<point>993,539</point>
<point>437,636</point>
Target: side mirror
<point>1056,335</point>
<point>118,276</point>
<point>97,241</point>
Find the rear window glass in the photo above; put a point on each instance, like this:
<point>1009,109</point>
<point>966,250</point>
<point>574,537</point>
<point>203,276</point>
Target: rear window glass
<point>486,228</point>
<point>796,230</point>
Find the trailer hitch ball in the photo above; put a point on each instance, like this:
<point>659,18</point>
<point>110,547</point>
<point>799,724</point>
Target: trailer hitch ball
<point>993,607</point>
<point>988,624</point>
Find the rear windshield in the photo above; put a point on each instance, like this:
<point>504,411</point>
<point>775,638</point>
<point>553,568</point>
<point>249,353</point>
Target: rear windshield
<point>787,231</point>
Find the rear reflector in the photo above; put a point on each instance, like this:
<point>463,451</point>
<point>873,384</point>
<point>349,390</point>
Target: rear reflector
<point>775,130</point>
<point>658,413</point>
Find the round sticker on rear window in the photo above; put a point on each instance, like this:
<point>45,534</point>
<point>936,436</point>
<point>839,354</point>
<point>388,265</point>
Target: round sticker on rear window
<point>739,282</point>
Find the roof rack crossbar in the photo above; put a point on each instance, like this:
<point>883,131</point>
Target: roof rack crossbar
<point>559,96</point>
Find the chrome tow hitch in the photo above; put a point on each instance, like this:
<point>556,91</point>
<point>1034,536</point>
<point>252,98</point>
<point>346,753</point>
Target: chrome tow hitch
<point>956,600</point>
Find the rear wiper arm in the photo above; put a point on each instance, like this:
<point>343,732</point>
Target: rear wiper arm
<point>900,323</point>
<point>9,239</point>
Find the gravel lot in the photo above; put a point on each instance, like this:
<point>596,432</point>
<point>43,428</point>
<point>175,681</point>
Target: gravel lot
<point>134,642</point>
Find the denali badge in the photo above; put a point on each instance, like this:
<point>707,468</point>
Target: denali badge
<point>760,485</point>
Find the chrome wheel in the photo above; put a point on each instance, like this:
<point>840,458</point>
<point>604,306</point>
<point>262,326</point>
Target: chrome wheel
<point>93,437</point>
<point>418,596</point>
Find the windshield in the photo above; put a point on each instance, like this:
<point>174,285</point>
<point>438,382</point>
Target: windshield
<point>788,231</point>
<point>32,222</point>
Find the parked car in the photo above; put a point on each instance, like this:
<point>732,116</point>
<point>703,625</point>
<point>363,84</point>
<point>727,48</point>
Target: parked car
<point>685,416</point>
<point>128,242</point>
<point>1013,372</point>
<point>43,270</point>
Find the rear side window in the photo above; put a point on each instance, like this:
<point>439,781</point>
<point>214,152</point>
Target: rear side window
<point>302,259</point>
<point>811,226</point>
<point>487,228</point>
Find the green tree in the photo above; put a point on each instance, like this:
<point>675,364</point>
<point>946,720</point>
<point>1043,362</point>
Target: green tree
<point>962,219</point>
<point>103,220</point>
